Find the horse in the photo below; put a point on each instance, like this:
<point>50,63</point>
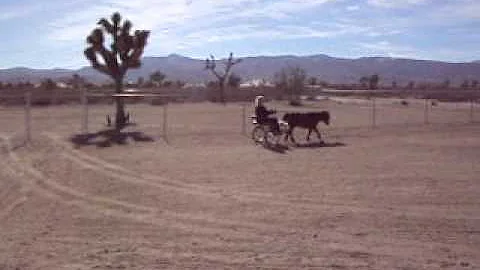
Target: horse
<point>307,120</point>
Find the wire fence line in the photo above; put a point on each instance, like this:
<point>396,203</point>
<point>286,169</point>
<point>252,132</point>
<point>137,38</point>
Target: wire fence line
<point>177,119</point>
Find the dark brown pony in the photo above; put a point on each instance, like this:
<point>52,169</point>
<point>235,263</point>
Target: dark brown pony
<point>307,120</point>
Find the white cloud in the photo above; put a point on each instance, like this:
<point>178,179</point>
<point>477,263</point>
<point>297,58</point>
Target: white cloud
<point>18,11</point>
<point>386,48</point>
<point>352,8</point>
<point>188,22</point>
<point>395,3</point>
<point>281,9</point>
<point>279,32</point>
<point>461,10</point>
<point>377,33</point>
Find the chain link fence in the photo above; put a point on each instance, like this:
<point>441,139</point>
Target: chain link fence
<point>24,115</point>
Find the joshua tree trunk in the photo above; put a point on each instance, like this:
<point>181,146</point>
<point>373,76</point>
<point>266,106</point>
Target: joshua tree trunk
<point>222,91</point>
<point>120,105</point>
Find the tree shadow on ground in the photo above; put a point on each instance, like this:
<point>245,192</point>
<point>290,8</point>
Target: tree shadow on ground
<point>108,137</point>
<point>320,144</point>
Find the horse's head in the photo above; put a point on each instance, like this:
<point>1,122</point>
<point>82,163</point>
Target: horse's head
<point>286,117</point>
<point>325,117</point>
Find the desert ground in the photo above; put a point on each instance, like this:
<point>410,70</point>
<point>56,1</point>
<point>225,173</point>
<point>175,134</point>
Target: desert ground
<point>403,195</point>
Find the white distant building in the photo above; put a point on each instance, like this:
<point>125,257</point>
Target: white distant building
<point>194,85</point>
<point>62,85</point>
<point>256,83</point>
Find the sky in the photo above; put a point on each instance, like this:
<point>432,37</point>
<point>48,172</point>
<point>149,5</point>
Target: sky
<point>52,33</point>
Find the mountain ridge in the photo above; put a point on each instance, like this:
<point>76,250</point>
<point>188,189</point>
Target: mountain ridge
<point>322,66</point>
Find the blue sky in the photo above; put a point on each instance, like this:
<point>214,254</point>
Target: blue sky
<point>51,33</point>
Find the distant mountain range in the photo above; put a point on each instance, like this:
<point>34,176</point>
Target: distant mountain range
<point>324,67</point>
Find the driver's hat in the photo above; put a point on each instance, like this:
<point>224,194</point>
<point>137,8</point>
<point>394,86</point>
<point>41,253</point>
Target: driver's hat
<point>257,100</point>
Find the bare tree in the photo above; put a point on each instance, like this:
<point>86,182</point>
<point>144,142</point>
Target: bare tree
<point>312,80</point>
<point>394,85</point>
<point>157,77</point>
<point>140,82</point>
<point>465,84</point>
<point>77,81</point>
<point>292,81</point>
<point>49,88</point>
<point>124,53</point>
<point>223,78</point>
<point>234,80</point>
<point>370,81</point>
<point>446,84</point>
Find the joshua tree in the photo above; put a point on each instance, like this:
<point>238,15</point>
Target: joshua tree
<point>411,85</point>
<point>373,81</point>
<point>124,53</point>
<point>222,78</point>
<point>370,81</point>
<point>474,84</point>
<point>364,81</point>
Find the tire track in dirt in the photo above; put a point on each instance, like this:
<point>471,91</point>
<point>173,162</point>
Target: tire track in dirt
<point>141,178</point>
<point>51,189</point>
<point>133,177</point>
<point>11,206</point>
<point>119,209</point>
<point>156,181</point>
<point>117,171</point>
<point>12,193</point>
<point>272,229</point>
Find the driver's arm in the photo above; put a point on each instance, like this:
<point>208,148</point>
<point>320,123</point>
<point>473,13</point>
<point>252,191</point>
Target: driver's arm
<point>271,111</point>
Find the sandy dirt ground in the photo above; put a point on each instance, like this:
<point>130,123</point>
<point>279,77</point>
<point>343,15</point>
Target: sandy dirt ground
<point>401,196</point>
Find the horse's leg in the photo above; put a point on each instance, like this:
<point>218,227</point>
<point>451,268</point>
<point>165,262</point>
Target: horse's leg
<point>308,134</point>
<point>318,134</point>
<point>290,130</point>
<point>285,138</point>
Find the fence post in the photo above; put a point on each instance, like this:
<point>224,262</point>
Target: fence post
<point>244,125</point>
<point>28,105</point>
<point>85,111</point>
<point>471,110</point>
<point>374,113</point>
<point>425,112</point>
<point>165,124</point>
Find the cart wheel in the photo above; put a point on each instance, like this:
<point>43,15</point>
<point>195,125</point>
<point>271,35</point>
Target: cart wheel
<point>258,135</point>
<point>271,139</point>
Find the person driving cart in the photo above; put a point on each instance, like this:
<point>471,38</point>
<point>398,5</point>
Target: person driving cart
<point>263,115</point>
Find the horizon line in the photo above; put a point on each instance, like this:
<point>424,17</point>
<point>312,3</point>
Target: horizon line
<point>256,56</point>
